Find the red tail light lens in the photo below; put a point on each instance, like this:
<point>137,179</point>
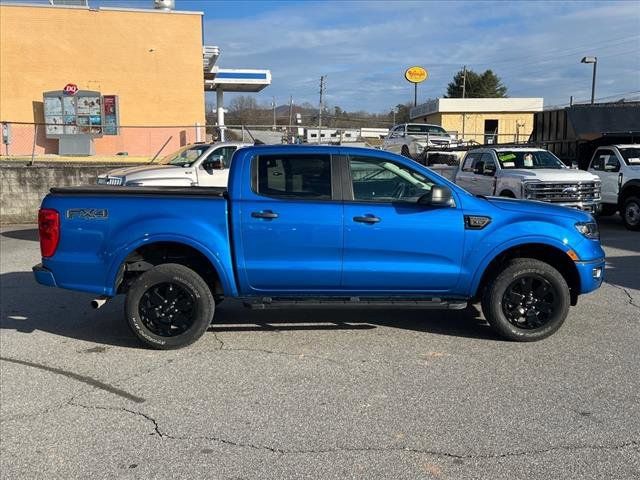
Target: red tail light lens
<point>49,230</point>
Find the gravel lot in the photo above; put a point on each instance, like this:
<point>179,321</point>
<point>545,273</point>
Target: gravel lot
<point>316,393</point>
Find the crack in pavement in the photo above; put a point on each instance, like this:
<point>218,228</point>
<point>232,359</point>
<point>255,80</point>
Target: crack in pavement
<point>281,451</point>
<point>272,352</point>
<point>631,299</point>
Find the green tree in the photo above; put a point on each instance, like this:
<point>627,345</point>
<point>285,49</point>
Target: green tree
<point>478,85</point>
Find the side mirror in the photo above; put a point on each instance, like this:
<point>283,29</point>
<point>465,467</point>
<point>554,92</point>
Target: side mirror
<point>611,167</point>
<point>479,168</point>
<point>439,196</point>
<point>213,163</point>
<point>490,170</point>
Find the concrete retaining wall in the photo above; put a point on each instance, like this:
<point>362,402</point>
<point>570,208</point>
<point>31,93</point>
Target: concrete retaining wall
<point>23,187</point>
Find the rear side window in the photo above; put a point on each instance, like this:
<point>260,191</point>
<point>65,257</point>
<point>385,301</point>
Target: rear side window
<point>293,176</point>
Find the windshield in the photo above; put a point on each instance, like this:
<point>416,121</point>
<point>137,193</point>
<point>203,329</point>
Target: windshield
<point>631,155</point>
<point>426,129</point>
<point>185,156</point>
<point>529,159</point>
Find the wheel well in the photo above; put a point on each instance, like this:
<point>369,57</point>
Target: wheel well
<point>628,192</point>
<point>507,193</point>
<point>148,256</point>
<point>545,253</point>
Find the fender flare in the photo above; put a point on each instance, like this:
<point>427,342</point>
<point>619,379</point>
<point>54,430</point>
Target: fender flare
<point>228,285</point>
<point>503,247</point>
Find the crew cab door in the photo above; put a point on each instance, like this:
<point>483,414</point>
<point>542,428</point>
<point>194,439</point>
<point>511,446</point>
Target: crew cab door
<point>606,165</point>
<point>395,140</point>
<point>213,171</point>
<point>392,244</point>
<point>290,225</point>
<point>477,174</point>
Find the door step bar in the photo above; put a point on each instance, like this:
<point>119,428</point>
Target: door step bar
<point>435,303</point>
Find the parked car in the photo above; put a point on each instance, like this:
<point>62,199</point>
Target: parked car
<point>200,165</point>
<point>318,226</point>
<point>528,173</point>
<point>411,139</point>
<point>618,167</point>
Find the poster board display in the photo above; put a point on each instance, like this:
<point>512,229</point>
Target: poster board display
<point>67,113</point>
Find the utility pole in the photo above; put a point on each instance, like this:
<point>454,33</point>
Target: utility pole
<point>290,109</point>
<point>273,104</point>
<point>464,81</point>
<point>464,92</point>
<point>322,87</point>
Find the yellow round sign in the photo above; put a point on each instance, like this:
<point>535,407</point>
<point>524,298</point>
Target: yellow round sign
<point>416,74</point>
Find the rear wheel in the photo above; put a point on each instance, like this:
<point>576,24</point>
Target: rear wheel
<point>631,213</point>
<point>528,301</point>
<point>169,306</point>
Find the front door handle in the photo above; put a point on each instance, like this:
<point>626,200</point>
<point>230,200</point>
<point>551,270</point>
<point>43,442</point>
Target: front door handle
<point>268,214</point>
<point>366,219</point>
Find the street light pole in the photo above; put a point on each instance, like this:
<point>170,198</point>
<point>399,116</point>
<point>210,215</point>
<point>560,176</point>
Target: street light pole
<point>593,60</point>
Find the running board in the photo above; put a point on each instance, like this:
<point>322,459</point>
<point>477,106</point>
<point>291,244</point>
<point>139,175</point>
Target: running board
<point>360,302</point>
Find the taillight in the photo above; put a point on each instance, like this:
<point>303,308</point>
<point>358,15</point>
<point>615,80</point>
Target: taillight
<point>49,231</point>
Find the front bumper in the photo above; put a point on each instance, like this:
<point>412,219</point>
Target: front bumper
<point>591,274</point>
<point>44,276</point>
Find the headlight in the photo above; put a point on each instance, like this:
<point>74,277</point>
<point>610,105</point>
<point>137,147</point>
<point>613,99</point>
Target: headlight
<point>588,229</point>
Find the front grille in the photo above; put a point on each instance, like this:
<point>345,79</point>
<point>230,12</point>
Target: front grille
<point>563,192</point>
<point>110,181</point>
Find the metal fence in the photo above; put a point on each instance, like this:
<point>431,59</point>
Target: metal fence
<point>30,141</point>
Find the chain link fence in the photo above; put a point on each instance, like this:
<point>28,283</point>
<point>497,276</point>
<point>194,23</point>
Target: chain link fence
<point>29,142</point>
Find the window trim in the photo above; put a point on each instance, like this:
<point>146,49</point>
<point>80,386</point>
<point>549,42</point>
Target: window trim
<point>336,186</point>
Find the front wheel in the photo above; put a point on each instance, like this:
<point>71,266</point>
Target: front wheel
<point>528,301</point>
<point>169,306</point>
<point>631,213</point>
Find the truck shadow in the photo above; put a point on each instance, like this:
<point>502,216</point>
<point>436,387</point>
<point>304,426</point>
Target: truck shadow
<point>30,234</point>
<point>28,307</point>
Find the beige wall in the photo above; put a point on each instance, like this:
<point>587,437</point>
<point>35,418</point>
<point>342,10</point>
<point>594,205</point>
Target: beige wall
<point>152,60</point>
<point>474,124</point>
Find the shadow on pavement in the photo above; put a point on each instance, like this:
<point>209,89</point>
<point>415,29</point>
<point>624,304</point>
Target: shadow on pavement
<point>30,234</point>
<point>28,306</point>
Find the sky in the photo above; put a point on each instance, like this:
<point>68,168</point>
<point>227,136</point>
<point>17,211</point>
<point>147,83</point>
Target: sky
<point>364,47</point>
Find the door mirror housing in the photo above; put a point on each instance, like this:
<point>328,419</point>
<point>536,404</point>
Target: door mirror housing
<point>489,169</point>
<point>213,163</point>
<point>611,167</point>
<point>439,196</point>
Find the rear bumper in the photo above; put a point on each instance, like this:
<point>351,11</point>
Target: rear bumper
<point>44,276</point>
<point>591,274</point>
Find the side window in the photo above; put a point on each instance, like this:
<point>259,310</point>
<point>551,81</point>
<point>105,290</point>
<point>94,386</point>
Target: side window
<point>469,161</point>
<point>379,180</point>
<point>293,176</point>
<point>598,162</point>
<point>226,153</point>
<point>488,164</point>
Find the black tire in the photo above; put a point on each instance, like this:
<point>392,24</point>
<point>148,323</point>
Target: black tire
<point>630,213</point>
<point>607,210</point>
<point>405,152</point>
<point>169,306</point>
<point>516,315</point>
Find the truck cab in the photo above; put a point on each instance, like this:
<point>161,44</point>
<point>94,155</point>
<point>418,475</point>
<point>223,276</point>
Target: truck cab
<point>411,139</point>
<point>527,173</point>
<point>618,167</point>
<point>317,226</point>
<point>199,164</point>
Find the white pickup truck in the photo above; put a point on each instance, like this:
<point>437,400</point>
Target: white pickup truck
<point>411,139</point>
<point>198,165</point>
<point>527,173</point>
<point>618,167</point>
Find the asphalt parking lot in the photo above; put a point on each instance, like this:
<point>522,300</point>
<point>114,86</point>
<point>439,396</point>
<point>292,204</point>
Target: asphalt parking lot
<point>316,393</point>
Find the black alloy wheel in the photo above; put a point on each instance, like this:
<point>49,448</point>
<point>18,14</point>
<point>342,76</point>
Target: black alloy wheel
<point>529,301</point>
<point>167,309</point>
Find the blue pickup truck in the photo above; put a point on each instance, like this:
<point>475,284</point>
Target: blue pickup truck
<point>317,226</point>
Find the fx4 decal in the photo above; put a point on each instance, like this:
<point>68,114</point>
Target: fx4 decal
<point>88,213</point>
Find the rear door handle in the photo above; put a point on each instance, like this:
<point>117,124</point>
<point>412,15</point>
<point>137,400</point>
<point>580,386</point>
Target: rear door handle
<point>268,214</point>
<point>366,219</point>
